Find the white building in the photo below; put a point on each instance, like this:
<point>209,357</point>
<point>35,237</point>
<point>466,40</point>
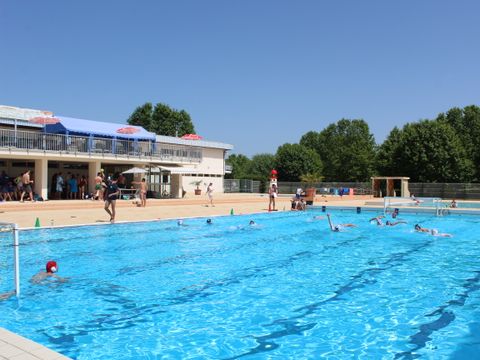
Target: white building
<point>83,147</point>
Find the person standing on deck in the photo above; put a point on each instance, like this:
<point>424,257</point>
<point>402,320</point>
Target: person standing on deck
<point>27,186</point>
<point>143,191</point>
<point>210,194</point>
<point>59,186</point>
<point>98,187</point>
<point>111,194</point>
<point>272,194</point>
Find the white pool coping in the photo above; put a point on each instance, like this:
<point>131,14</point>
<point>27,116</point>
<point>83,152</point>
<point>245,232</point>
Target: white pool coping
<point>16,347</point>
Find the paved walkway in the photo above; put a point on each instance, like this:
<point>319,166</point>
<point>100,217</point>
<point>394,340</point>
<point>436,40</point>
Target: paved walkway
<point>15,347</point>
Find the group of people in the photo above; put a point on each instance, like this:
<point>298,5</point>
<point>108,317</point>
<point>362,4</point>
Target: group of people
<point>378,220</point>
<point>17,188</point>
<point>72,187</point>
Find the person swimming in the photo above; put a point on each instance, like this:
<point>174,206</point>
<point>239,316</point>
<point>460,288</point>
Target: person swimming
<point>378,220</point>
<point>433,232</point>
<point>390,223</point>
<point>418,228</point>
<point>209,221</point>
<point>339,227</point>
<point>395,213</point>
<point>50,269</point>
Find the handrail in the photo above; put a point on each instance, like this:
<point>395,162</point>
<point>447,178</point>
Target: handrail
<point>16,254</point>
<point>31,141</point>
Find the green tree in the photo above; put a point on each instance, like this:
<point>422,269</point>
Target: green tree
<point>240,166</point>
<point>311,140</point>
<point>170,122</point>
<point>347,150</point>
<point>295,160</point>
<point>162,120</point>
<point>388,154</point>
<point>142,116</point>
<point>466,123</point>
<point>261,165</point>
<point>431,151</point>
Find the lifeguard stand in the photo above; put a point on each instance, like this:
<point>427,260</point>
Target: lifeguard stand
<point>273,178</point>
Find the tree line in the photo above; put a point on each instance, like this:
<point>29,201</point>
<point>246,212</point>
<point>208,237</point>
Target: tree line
<point>444,149</point>
<point>162,120</point>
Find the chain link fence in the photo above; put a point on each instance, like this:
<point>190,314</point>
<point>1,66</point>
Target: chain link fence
<point>467,191</point>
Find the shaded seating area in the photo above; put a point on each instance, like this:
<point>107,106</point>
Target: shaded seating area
<point>102,137</point>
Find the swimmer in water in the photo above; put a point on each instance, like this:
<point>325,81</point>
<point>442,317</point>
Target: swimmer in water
<point>252,223</point>
<point>395,213</point>
<point>389,223</point>
<point>418,228</point>
<point>50,269</point>
<point>435,232</point>
<point>337,228</point>
<point>209,221</point>
<point>378,220</point>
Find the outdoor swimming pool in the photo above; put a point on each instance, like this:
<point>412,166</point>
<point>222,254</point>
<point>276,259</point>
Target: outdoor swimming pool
<point>287,289</point>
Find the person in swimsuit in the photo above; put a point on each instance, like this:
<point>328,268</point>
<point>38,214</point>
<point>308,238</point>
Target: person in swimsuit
<point>143,191</point>
<point>390,223</point>
<point>27,186</point>
<point>339,227</point>
<point>378,220</point>
<point>50,269</point>
<point>210,194</point>
<point>98,187</point>
<point>111,194</point>
<point>273,194</point>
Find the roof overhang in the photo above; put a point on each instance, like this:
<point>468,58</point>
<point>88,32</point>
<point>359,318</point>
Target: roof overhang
<point>176,170</point>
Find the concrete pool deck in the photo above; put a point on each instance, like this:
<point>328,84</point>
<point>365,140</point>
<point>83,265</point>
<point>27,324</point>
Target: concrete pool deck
<point>15,347</point>
<point>82,212</point>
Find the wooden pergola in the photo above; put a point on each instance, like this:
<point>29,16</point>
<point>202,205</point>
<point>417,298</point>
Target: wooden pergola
<point>390,186</point>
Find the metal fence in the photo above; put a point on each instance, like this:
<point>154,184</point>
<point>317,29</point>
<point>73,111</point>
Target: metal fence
<point>241,185</point>
<point>31,141</point>
<point>467,191</point>
<point>252,186</point>
<point>360,188</point>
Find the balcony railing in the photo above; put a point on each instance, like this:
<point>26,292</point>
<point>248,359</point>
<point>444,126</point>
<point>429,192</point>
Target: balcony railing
<point>30,141</point>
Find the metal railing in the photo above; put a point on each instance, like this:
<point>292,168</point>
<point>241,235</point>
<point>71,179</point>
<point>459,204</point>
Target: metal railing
<point>31,141</point>
<point>16,256</point>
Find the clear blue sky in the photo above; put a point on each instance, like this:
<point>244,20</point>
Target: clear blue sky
<point>252,73</point>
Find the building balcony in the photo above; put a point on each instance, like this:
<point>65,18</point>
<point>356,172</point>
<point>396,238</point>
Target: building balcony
<point>40,143</point>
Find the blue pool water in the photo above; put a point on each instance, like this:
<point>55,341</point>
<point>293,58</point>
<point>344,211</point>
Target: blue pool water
<point>287,289</point>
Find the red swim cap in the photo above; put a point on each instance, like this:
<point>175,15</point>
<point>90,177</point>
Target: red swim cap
<point>51,267</point>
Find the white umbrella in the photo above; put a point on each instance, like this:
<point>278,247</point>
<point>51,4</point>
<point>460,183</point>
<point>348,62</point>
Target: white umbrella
<point>135,170</point>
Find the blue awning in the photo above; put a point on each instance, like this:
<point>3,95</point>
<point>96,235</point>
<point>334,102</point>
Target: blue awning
<point>83,127</point>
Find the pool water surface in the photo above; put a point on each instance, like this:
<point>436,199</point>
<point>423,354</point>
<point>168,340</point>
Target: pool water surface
<point>287,287</point>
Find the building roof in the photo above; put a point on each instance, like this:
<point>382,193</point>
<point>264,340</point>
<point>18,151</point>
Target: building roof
<point>198,143</point>
<point>98,128</point>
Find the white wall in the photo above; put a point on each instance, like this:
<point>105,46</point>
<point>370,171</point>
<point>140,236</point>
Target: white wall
<point>210,170</point>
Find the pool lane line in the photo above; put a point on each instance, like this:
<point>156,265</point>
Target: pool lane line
<point>447,316</point>
<point>116,322</point>
<point>292,326</point>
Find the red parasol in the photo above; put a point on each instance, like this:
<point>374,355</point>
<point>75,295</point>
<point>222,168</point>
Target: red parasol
<point>44,120</point>
<point>191,137</point>
<point>128,130</point>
